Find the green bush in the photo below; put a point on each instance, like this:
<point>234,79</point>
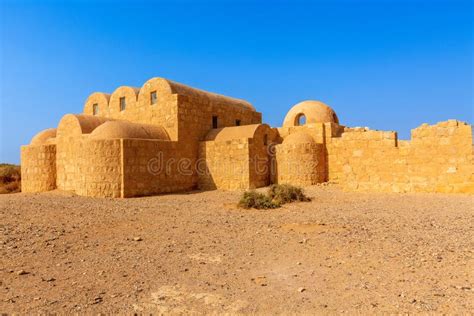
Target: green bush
<point>253,199</point>
<point>286,193</point>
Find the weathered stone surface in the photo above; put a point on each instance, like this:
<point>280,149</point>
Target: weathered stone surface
<point>167,137</point>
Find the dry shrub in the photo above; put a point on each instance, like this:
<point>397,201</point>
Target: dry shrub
<point>286,193</point>
<point>10,178</point>
<point>277,195</point>
<point>253,199</point>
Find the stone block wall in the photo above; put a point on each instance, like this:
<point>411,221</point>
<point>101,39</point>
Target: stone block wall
<point>316,130</point>
<point>89,167</point>
<point>38,168</point>
<point>66,162</point>
<point>439,158</point>
<point>195,117</point>
<point>300,164</point>
<point>154,167</point>
<point>120,163</point>
<point>224,165</point>
<point>99,168</point>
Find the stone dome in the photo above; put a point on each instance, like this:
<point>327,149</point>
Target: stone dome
<point>124,129</point>
<point>78,124</point>
<point>298,138</point>
<point>236,132</point>
<point>313,111</point>
<point>43,137</point>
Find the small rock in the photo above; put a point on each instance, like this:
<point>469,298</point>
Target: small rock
<point>260,280</point>
<point>298,263</point>
<point>51,279</point>
<point>137,239</point>
<point>301,289</point>
<point>97,300</point>
<point>21,272</point>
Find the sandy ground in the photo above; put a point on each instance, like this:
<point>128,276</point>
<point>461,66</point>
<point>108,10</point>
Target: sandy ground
<point>198,253</point>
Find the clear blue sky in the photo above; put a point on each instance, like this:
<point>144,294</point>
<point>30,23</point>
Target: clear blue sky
<point>389,65</point>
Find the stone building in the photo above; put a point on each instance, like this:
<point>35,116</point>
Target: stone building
<point>168,137</point>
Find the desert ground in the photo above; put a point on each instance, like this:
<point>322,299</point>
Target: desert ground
<point>197,253</point>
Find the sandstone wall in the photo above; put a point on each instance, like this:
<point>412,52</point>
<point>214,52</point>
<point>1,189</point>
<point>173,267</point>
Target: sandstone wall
<point>38,168</point>
<point>99,168</point>
<point>195,119</point>
<point>300,164</point>
<point>224,165</point>
<point>155,166</point>
<point>261,156</point>
<point>439,158</point>
<point>179,109</point>
<point>89,167</point>
<point>237,157</point>
<point>69,150</point>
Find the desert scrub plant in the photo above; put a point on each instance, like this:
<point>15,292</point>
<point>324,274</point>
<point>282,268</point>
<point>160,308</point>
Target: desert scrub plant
<point>10,178</point>
<point>253,199</point>
<point>286,193</point>
<point>277,195</point>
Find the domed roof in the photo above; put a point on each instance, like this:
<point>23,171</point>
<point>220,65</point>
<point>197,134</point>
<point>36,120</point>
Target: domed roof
<point>45,136</point>
<point>78,124</point>
<point>236,132</point>
<point>124,129</point>
<point>298,138</point>
<point>313,111</point>
<point>163,85</point>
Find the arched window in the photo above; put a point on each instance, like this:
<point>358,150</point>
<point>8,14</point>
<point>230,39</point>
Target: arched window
<point>214,122</point>
<point>95,109</point>
<point>153,97</point>
<point>122,103</point>
<point>300,120</point>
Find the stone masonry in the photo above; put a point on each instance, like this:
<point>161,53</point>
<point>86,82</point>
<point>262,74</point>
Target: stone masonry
<point>167,137</point>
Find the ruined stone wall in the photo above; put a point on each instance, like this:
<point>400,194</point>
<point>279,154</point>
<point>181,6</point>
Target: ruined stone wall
<point>155,166</point>
<point>38,168</point>
<point>439,158</point>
